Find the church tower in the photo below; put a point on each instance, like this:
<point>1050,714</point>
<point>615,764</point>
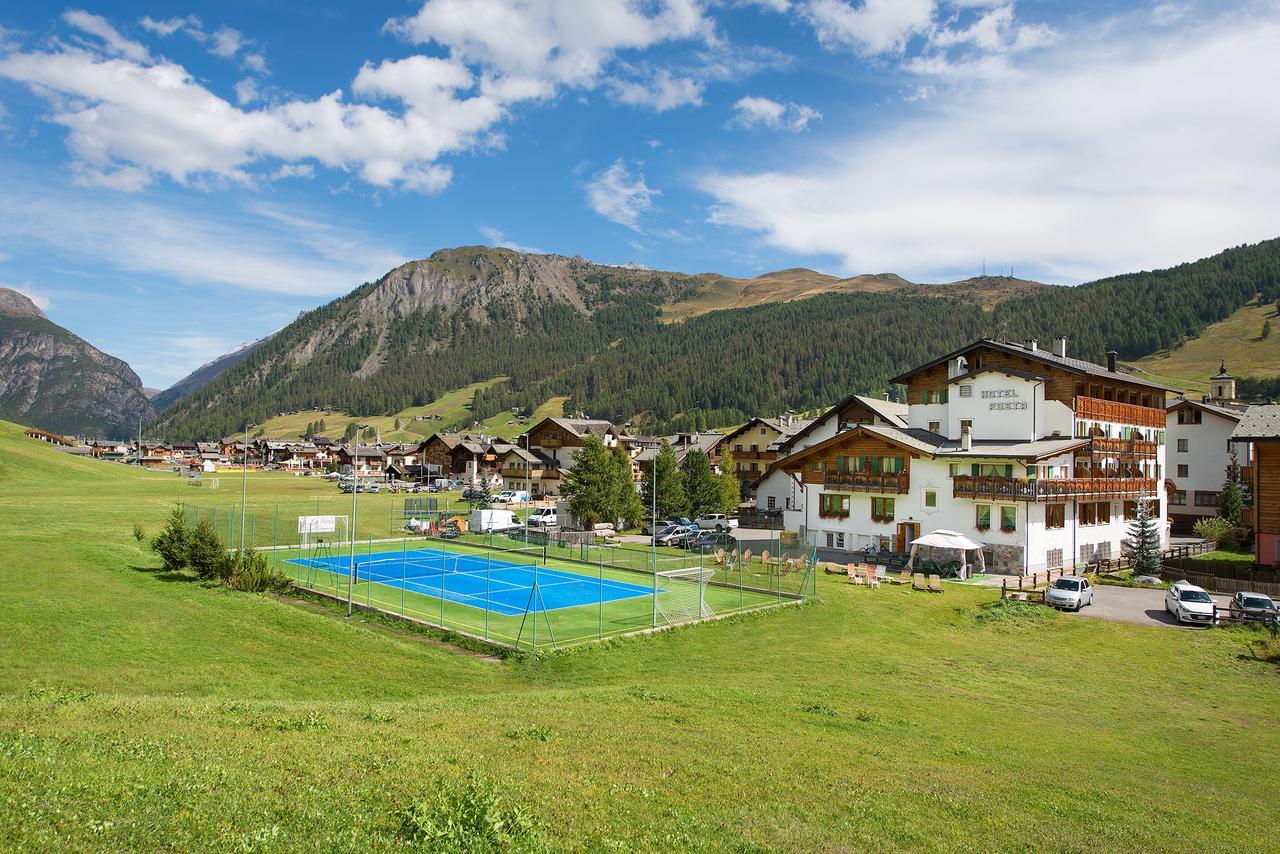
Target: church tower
<point>1223,385</point>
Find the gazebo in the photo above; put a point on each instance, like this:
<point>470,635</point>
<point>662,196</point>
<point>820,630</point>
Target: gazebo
<point>953,541</point>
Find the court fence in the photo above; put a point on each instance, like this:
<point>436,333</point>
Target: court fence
<point>523,590</point>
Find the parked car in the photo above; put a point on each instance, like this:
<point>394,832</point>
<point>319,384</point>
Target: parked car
<point>542,517</point>
<point>511,496</point>
<point>1189,604</point>
<point>716,522</point>
<point>1070,591</point>
<point>475,493</point>
<point>709,541</point>
<point>674,535</point>
<point>1252,606</point>
<point>654,527</point>
<point>683,520</point>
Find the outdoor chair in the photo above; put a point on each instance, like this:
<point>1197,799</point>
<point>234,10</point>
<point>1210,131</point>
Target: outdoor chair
<point>935,583</point>
<point>764,557</point>
<point>882,571</point>
<point>917,581</point>
<point>719,557</point>
<point>872,581</point>
<point>853,574</point>
<point>904,577</point>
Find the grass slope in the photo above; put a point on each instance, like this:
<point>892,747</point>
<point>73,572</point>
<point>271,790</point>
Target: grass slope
<point>144,711</point>
<point>1236,339</point>
<point>454,407</point>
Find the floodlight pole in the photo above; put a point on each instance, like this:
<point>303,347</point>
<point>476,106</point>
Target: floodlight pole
<point>653,527</point>
<point>528,484</point>
<point>244,488</point>
<point>355,491</point>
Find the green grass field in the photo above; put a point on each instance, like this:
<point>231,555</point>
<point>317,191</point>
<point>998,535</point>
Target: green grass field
<point>453,409</point>
<point>144,710</point>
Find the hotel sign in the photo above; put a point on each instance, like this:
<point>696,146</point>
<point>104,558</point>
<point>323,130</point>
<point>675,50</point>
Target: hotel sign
<point>1003,400</point>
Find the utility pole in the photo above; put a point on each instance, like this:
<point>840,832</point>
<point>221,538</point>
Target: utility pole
<point>244,488</point>
<point>355,491</point>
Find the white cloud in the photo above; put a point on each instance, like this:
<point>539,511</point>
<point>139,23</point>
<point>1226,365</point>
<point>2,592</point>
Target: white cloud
<point>660,91</point>
<point>113,42</point>
<point>247,91</point>
<point>768,5</point>
<point>617,195</point>
<point>255,62</point>
<point>261,248</point>
<point>752,111</point>
<point>294,170</point>
<point>497,237</point>
<point>226,42</point>
<point>1119,149</point>
<point>872,27</point>
<point>168,26</point>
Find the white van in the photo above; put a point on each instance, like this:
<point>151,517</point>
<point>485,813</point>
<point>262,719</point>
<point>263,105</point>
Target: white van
<point>543,517</point>
<point>487,521</point>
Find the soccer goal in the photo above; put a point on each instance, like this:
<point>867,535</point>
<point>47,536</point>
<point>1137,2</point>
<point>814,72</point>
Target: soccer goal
<point>319,536</point>
<point>682,594</point>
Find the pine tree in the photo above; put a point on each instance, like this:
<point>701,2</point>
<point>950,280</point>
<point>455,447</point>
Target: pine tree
<point>1142,548</point>
<point>590,487</point>
<point>701,484</point>
<point>672,498</point>
<point>1231,504</point>
<point>350,433</point>
<point>1266,329</point>
<point>728,482</point>
<point>627,507</point>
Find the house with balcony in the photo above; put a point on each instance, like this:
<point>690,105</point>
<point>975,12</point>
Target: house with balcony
<point>1040,457</point>
<point>756,444</point>
<point>530,470</point>
<point>1201,453</point>
<point>1260,429</point>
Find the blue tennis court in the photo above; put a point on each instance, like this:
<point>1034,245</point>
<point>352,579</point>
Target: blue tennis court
<point>502,587</point>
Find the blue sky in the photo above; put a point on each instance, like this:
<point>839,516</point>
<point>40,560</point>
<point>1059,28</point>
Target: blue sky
<point>178,179</point>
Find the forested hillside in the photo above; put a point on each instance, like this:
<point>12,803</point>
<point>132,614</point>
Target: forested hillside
<point>562,326</point>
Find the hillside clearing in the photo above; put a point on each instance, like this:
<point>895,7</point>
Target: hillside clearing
<point>1236,340</point>
<point>144,711</point>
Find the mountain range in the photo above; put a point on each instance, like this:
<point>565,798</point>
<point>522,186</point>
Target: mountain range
<point>54,379</point>
<point>663,350</point>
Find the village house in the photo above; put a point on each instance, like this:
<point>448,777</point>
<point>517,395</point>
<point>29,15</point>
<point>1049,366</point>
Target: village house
<point>360,459</point>
<point>1201,452</point>
<point>1040,457</point>
<point>750,444</point>
<point>1260,429</point>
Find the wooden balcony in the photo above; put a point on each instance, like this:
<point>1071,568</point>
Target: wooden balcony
<point>766,456</point>
<point>535,474</point>
<point>1051,489</point>
<point>1101,446</point>
<point>898,483</point>
<point>1097,409</point>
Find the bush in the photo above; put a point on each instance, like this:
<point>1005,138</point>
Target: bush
<point>204,549</point>
<point>138,533</point>
<point>471,815</point>
<point>249,570</point>
<point>172,542</point>
<point>1218,531</point>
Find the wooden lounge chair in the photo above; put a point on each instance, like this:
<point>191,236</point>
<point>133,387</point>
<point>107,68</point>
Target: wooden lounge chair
<point>935,583</point>
<point>917,581</point>
<point>872,581</point>
<point>903,577</point>
<point>719,557</point>
<point>764,557</point>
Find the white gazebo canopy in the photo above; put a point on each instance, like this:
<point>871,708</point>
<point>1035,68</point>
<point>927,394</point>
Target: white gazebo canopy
<point>952,540</point>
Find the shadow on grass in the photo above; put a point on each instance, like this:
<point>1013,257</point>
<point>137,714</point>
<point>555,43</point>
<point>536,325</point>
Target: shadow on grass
<point>167,575</point>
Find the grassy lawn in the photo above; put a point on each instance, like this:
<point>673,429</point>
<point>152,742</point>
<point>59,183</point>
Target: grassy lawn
<point>142,710</point>
<point>1245,559</point>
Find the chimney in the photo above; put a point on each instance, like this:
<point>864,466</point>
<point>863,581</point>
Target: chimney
<point>966,438</point>
<point>1111,360</point>
<point>1033,344</point>
<point>1060,346</point>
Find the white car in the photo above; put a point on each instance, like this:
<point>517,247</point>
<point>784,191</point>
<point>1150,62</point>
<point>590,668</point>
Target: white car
<point>1189,604</point>
<point>715,522</point>
<point>1069,591</point>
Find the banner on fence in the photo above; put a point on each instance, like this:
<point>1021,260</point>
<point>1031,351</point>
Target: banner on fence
<point>317,524</point>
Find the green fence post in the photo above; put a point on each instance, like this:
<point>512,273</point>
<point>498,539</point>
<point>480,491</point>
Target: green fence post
<point>404,555</point>
<point>368,588</point>
<point>600,600</point>
<point>488,568</point>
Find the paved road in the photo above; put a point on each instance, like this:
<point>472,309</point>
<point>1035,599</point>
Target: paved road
<point>1134,605</point>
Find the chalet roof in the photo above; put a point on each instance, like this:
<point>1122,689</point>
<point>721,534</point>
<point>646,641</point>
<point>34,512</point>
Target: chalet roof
<point>580,427</point>
<point>889,410</point>
<point>778,424</point>
<point>1045,357</point>
<point>1233,412</point>
<point>1260,423</point>
<point>501,447</point>
<point>527,456</point>
<point>366,451</point>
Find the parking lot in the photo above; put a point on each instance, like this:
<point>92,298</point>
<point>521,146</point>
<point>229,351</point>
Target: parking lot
<point>1135,605</point>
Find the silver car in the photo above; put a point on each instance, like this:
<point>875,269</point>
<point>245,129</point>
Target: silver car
<point>1069,591</point>
<point>1253,606</point>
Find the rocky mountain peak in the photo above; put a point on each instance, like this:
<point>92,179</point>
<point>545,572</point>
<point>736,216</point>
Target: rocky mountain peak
<point>13,302</point>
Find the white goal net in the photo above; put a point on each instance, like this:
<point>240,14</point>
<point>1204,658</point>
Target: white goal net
<point>682,594</point>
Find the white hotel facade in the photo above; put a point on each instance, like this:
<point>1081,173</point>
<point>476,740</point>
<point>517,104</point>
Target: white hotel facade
<point>1039,457</point>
